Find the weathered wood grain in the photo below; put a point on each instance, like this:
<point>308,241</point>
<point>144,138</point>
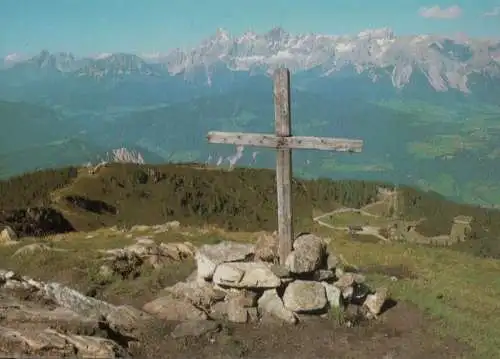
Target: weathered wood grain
<point>292,142</point>
<point>282,118</point>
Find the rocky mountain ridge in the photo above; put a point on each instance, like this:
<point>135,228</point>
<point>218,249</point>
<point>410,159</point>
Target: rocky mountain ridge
<point>447,63</point>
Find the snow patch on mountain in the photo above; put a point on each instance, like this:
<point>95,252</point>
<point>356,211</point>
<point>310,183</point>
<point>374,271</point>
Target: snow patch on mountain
<point>446,62</point>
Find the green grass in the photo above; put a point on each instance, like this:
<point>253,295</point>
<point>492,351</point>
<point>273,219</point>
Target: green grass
<point>35,188</point>
<point>460,292</point>
<point>426,113</point>
<point>335,166</point>
<point>79,262</point>
<point>239,200</point>
<point>355,219</point>
<point>445,145</point>
<point>469,287</point>
<point>456,288</point>
<point>243,199</point>
<point>382,208</point>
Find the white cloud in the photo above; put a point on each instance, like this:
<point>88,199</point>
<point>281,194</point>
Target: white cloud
<point>14,57</point>
<point>493,12</point>
<point>435,12</point>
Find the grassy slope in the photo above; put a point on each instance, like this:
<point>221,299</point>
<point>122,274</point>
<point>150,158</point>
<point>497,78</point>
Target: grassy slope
<point>243,199</point>
<point>456,289</point>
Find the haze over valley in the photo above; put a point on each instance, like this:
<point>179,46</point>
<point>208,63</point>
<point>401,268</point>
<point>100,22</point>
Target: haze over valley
<point>425,105</point>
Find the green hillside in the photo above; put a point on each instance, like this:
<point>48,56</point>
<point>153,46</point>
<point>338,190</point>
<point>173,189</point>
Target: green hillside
<point>239,200</point>
<point>447,291</point>
<point>451,151</point>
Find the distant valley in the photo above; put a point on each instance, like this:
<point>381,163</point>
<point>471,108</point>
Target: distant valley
<point>426,106</point>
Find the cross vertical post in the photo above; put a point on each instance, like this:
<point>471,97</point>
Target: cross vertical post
<point>283,124</point>
<point>284,142</point>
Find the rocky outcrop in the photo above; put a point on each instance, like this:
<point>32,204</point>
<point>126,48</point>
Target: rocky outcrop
<point>34,222</point>
<point>50,319</point>
<point>8,236</point>
<point>126,262</point>
<point>91,205</point>
<point>158,228</point>
<point>35,247</point>
<point>48,341</point>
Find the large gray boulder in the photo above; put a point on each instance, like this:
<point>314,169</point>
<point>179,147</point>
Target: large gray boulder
<point>173,309</point>
<point>308,254</point>
<point>208,257</point>
<point>246,275</point>
<point>305,296</point>
<point>271,303</point>
<point>200,294</point>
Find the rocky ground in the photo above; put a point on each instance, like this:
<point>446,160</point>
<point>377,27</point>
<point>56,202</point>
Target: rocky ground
<point>236,303</point>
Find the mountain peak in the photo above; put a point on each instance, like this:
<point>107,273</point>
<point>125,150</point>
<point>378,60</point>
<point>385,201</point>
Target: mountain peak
<point>222,34</point>
<point>445,62</point>
<point>101,55</point>
<point>116,64</point>
<point>43,54</point>
<point>383,33</point>
<point>59,61</point>
<point>11,59</point>
<point>276,33</point>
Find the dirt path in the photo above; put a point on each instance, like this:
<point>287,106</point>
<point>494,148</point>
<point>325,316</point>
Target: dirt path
<point>367,230</point>
<point>347,209</point>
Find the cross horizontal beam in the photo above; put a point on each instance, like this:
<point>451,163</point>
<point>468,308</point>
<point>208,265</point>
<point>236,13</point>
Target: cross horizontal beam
<point>291,142</point>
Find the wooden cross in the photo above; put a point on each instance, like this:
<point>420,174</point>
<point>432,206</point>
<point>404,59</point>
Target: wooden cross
<point>284,142</point>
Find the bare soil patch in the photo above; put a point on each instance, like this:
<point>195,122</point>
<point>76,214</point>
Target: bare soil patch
<point>402,332</point>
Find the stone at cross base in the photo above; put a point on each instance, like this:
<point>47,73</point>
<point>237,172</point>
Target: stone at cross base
<point>243,282</point>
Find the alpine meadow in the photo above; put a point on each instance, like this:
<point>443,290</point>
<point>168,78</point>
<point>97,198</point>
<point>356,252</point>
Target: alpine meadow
<point>130,229</point>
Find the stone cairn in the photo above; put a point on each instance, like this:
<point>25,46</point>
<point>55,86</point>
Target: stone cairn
<point>237,282</point>
<point>242,283</point>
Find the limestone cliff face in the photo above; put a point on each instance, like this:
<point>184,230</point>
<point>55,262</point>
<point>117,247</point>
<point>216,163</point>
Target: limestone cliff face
<point>445,62</point>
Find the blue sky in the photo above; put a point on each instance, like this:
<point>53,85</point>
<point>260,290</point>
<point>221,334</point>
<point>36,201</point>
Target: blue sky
<point>87,27</point>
